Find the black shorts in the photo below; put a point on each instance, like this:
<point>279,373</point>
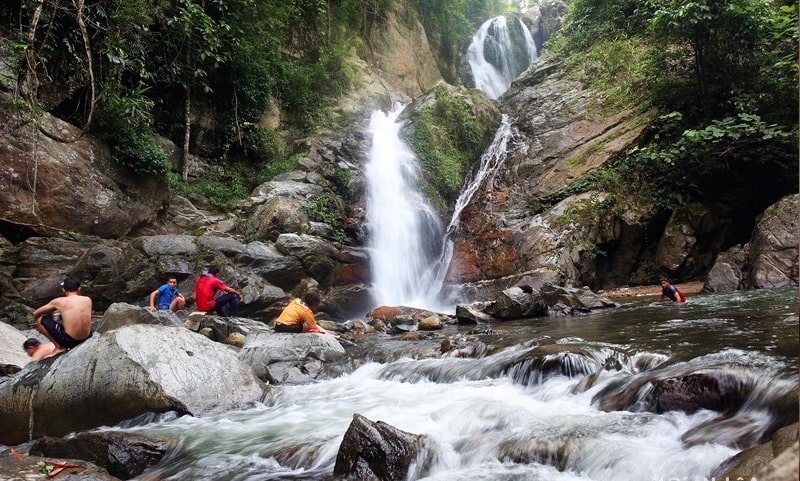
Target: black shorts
<point>57,333</point>
<point>293,328</point>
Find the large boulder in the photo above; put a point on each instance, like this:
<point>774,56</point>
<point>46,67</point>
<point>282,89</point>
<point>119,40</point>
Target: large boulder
<point>774,247</point>
<point>11,346</point>
<point>378,451</point>
<point>289,358</point>
<point>122,314</point>
<point>727,274</point>
<point>122,374</point>
<point>48,185</point>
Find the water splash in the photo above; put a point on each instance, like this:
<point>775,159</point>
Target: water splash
<point>498,53</point>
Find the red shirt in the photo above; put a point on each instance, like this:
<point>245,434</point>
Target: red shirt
<point>204,290</point>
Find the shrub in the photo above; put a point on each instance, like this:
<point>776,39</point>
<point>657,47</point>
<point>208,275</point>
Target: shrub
<point>124,121</point>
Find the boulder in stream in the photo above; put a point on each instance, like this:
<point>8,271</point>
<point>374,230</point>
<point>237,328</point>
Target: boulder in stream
<point>124,455</point>
<point>122,374</point>
<point>378,451</point>
<point>289,358</point>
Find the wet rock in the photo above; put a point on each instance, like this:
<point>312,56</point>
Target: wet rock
<point>550,453</point>
<point>378,451</point>
<point>24,467</point>
<point>430,323</point>
<point>759,460</point>
<point>535,365</point>
<point>290,358</point>
<point>122,374</point>
<point>514,303</point>
<point>783,467</point>
<point>654,391</point>
<point>715,390</point>
<point>474,313</point>
<point>121,314</point>
<point>774,246</point>
<point>124,455</point>
<point>572,300</point>
<point>727,273</point>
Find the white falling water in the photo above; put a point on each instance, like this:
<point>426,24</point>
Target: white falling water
<point>405,232</point>
<point>494,41</point>
<point>491,160</point>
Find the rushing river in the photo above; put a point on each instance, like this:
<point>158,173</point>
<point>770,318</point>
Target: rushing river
<point>478,418</point>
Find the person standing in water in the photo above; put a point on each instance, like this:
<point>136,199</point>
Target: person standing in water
<point>671,292</point>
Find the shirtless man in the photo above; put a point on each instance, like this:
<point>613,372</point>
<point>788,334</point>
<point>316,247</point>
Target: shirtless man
<point>76,316</point>
<point>39,350</point>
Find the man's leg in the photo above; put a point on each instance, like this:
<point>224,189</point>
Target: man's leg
<point>227,299</point>
<point>177,304</point>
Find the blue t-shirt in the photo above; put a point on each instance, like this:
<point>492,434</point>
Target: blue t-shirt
<point>165,296</point>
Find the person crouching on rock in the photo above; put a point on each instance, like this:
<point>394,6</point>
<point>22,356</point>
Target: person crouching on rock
<point>206,287</point>
<point>298,316</point>
<point>169,297</point>
<point>40,350</point>
<point>76,316</point>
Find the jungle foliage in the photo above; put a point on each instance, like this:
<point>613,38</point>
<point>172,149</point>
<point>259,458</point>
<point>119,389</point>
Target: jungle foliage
<point>723,76</point>
<point>144,64</point>
<point>447,138</point>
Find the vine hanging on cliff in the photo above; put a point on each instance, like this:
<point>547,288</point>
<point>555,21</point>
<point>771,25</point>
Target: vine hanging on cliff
<point>32,79</point>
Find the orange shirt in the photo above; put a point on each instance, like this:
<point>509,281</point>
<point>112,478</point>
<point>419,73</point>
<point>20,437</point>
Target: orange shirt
<point>297,313</point>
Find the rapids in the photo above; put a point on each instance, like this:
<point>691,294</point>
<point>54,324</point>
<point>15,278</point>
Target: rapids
<point>496,424</point>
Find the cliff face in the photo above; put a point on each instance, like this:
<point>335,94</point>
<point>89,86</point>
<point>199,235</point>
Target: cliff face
<point>559,138</point>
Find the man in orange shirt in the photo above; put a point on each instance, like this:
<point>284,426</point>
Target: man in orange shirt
<point>298,316</point>
<point>206,287</point>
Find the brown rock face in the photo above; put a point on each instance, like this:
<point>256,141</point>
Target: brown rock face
<point>47,185</point>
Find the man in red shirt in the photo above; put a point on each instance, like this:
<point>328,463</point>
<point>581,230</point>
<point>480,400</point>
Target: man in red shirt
<point>206,287</point>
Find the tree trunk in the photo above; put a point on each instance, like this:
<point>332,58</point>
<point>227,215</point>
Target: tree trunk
<point>187,129</point>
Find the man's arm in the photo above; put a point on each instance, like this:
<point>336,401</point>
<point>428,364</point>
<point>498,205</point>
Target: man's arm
<point>49,307</point>
<point>233,291</point>
<point>153,300</point>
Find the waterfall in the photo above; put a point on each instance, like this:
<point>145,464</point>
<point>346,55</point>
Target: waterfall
<point>491,159</point>
<point>405,232</point>
<point>499,53</point>
<point>409,250</point>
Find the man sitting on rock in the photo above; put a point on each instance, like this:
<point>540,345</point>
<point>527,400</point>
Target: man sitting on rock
<point>40,350</point>
<point>206,287</point>
<point>169,297</point>
<point>76,316</point>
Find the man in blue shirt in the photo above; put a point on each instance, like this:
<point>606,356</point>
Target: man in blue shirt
<point>168,296</point>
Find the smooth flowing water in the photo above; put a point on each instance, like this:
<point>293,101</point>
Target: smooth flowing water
<point>405,232</point>
<point>491,424</point>
<point>498,53</point>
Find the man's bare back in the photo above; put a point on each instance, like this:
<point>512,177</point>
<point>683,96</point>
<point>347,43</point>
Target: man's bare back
<point>76,315</point>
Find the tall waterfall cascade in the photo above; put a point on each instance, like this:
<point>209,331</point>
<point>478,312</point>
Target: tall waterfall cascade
<point>410,251</point>
<point>405,231</point>
<point>499,52</point>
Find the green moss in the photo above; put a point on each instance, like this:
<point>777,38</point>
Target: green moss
<point>447,139</point>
